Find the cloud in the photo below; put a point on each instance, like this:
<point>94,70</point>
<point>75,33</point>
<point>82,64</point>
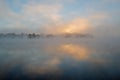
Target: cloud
<point>46,16</point>
<point>76,25</point>
<point>31,18</point>
<point>36,11</point>
<point>111,1</point>
<point>99,16</point>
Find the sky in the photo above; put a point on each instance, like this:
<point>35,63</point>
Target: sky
<point>60,16</point>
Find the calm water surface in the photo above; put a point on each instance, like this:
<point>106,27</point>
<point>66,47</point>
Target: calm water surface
<point>60,59</point>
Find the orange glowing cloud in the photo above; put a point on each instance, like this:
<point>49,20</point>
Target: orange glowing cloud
<point>99,16</point>
<point>77,25</point>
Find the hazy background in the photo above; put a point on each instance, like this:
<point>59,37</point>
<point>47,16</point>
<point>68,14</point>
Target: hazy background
<point>99,17</point>
<point>60,58</point>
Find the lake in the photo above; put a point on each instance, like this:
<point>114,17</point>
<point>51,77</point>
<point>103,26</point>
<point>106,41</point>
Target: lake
<point>60,59</point>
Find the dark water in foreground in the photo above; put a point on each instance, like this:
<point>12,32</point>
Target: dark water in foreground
<point>60,59</point>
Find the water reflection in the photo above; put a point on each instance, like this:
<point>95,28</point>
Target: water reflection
<point>76,51</point>
<point>47,67</point>
<point>55,59</point>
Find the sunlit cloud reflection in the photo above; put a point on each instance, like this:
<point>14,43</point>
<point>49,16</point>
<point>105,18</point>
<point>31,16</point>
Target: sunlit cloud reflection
<point>77,52</point>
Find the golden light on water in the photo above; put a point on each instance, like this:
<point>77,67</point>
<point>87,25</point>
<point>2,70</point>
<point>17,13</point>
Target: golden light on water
<point>77,52</point>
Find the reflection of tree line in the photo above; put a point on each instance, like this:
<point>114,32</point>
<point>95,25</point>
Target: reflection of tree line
<point>35,35</point>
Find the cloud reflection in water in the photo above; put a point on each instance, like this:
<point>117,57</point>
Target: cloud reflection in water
<point>57,59</point>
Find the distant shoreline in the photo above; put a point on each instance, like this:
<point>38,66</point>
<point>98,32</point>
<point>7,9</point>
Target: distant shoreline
<point>37,36</point>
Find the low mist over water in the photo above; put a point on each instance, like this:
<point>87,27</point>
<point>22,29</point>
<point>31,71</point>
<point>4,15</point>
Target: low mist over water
<point>59,59</point>
<point>59,39</point>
